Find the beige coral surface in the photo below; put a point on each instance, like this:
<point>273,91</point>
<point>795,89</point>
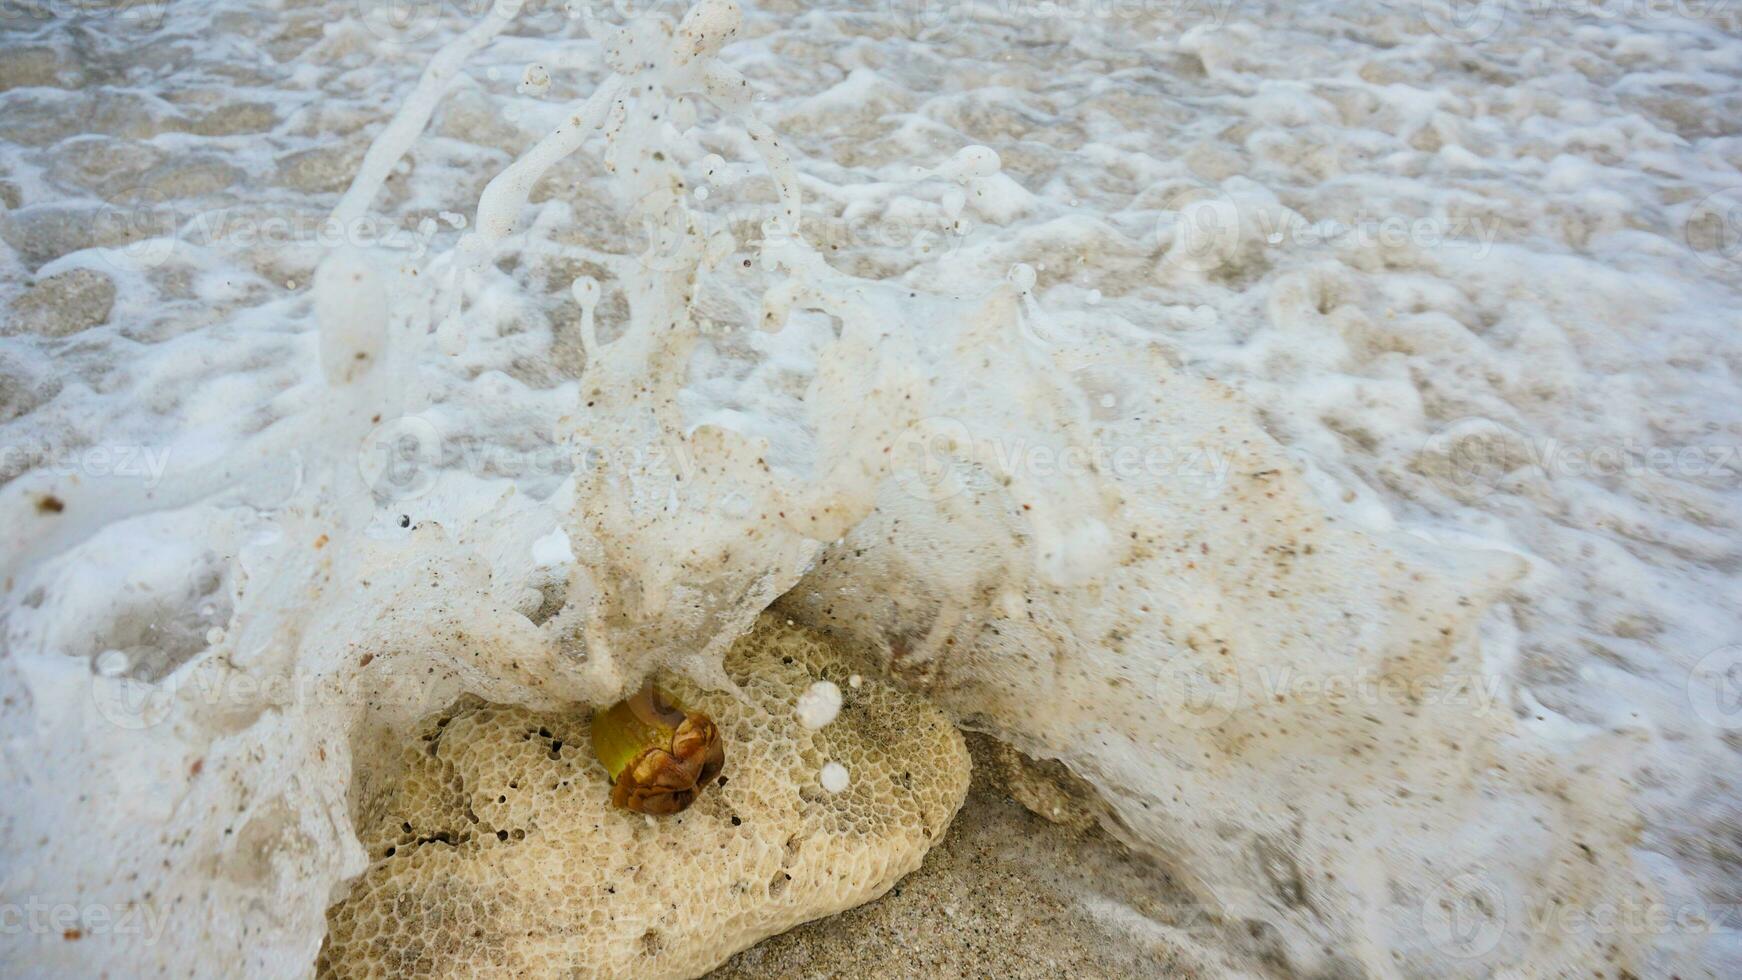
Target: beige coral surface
<point>496,851</point>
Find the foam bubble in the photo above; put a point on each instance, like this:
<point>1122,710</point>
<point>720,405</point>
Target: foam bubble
<point>819,705</point>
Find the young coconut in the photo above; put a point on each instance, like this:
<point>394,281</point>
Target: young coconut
<point>659,754</point>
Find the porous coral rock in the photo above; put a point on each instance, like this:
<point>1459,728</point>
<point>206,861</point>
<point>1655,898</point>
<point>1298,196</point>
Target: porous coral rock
<point>496,850</point>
